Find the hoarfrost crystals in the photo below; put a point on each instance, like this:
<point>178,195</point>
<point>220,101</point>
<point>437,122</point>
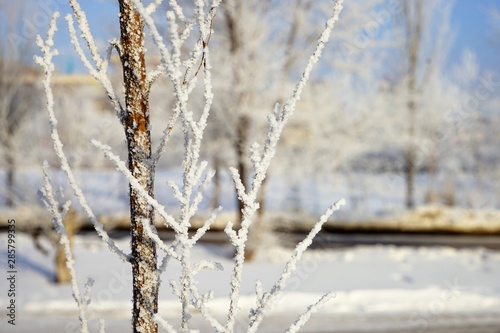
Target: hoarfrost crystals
<point>183,69</point>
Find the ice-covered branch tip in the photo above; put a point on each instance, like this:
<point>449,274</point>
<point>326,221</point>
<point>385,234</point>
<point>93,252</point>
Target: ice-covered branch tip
<point>304,318</point>
<point>278,120</point>
<point>153,6</point>
<point>98,74</point>
<point>86,34</point>
<point>268,299</point>
<point>323,39</point>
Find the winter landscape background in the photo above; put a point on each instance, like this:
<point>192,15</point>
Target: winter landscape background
<point>400,118</point>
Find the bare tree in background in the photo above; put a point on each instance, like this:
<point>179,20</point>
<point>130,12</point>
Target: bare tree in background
<point>248,35</point>
<point>412,16</point>
<point>17,98</point>
<point>423,49</point>
<point>243,99</point>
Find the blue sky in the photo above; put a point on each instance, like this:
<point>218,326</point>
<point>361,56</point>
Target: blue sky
<point>470,21</point>
<point>470,18</point>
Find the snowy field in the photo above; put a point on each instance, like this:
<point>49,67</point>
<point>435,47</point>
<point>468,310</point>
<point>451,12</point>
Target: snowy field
<point>378,288</point>
<point>367,195</point>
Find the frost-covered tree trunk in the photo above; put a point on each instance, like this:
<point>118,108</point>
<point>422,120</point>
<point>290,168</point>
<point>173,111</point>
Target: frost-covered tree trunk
<point>137,131</point>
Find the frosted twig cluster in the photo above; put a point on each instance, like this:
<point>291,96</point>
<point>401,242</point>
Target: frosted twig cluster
<point>98,69</point>
<point>57,219</point>
<point>261,162</point>
<point>185,69</point>
<point>48,66</point>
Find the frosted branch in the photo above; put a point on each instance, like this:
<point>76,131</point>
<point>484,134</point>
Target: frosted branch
<point>163,266</point>
<point>98,74</point>
<point>240,188</point>
<point>57,220</point>
<point>166,57</point>
<point>86,34</point>
<point>154,236</point>
<point>174,39</point>
<point>78,48</point>
<point>120,165</point>
<point>268,299</point>
<point>155,74</point>
<point>255,155</point>
<point>206,226</point>
<point>209,318</point>
<point>276,125</point>
<point>153,6</point>
<point>205,264</point>
<point>177,9</point>
<point>176,192</point>
<point>259,290</point>
<point>113,44</point>
<point>304,318</point>
<point>175,288</point>
<point>233,236</point>
<point>183,70</point>
<point>199,193</point>
<point>46,63</point>
<point>164,324</point>
<point>87,292</point>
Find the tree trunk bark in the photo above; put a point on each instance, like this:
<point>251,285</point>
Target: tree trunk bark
<point>145,286</point>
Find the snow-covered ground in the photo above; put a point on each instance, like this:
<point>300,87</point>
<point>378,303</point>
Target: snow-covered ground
<point>367,195</point>
<point>373,201</point>
<point>377,288</point>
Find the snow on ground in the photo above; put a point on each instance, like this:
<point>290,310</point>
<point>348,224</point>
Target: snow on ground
<point>377,288</point>
<point>373,201</point>
<point>367,195</point>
